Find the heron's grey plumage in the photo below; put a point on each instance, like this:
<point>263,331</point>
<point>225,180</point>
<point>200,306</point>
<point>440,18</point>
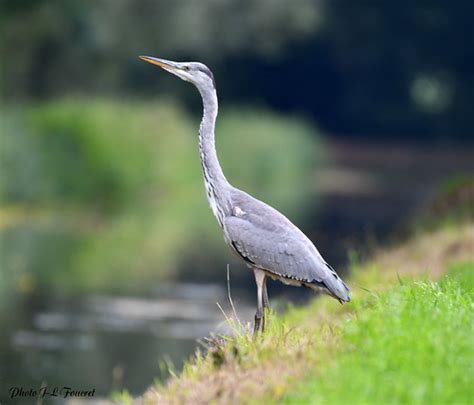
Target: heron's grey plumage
<point>263,237</point>
<point>217,186</point>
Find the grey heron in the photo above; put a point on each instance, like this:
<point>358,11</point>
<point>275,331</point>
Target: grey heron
<point>262,237</point>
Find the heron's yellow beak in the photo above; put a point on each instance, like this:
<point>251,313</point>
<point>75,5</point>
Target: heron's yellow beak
<point>165,64</point>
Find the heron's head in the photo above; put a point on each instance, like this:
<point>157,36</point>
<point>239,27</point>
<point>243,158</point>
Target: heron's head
<point>194,72</point>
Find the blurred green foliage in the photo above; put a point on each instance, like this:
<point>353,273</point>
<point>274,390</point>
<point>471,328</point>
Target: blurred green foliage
<point>95,191</point>
<point>96,43</point>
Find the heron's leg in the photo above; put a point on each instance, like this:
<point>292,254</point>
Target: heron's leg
<point>266,303</point>
<point>260,314</point>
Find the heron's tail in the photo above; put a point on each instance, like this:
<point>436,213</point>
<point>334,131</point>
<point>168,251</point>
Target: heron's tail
<point>336,287</point>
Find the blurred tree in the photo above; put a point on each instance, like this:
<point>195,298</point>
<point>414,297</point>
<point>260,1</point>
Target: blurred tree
<point>363,67</point>
<point>55,46</point>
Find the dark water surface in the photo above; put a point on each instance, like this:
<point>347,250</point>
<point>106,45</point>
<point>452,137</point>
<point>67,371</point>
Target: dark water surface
<point>107,343</point>
<point>117,342</point>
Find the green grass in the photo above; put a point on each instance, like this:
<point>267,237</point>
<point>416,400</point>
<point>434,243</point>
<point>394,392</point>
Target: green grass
<point>411,344</point>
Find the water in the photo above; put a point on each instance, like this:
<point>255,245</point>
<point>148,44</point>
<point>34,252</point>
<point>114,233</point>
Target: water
<point>108,342</point>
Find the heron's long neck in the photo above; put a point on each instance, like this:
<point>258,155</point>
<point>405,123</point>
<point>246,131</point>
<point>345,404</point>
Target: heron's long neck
<point>217,186</point>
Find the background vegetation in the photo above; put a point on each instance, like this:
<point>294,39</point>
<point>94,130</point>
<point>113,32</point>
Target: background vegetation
<point>106,186</point>
<point>392,70</point>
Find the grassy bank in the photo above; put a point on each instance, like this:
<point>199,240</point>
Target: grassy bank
<point>411,344</point>
<point>405,337</point>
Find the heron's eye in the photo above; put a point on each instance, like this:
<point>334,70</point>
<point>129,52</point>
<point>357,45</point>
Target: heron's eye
<point>186,68</point>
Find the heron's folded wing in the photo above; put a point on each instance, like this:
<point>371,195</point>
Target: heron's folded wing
<point>276,247</point>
